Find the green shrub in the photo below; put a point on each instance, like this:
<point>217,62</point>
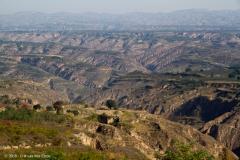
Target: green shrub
<point>74,112</point>
<point>14,133</point>
<point>231,75</point>
<point>111,104</point>
<point>19,115</point>
<point>55,155</point>
<point>58,106</point>
<point>116,121</point>
<point>188,70</point>
<point>63,153</point>
<point>37,107</point>
<point>29,115</point>
<point>92,156</point>
<point>92,117</point>
<point>180,151</point>
<point>102,118</point>
<point>50,117</point>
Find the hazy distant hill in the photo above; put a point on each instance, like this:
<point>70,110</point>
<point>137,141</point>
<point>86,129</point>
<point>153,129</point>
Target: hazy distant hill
<point>184,19</point>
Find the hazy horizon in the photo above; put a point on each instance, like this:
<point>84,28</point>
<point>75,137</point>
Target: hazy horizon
<point>118,13</point>
<point>116,7</point>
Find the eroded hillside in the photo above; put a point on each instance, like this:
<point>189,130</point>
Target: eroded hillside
<point>187,77</point>
<point>79,132</point>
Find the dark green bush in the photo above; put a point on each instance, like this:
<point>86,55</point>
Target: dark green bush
<point>111,104</point>
<point>102,118</point>
<point>231,75</point>
<point>37,107</point>
<point>188,70</point>
<point>58,106</point>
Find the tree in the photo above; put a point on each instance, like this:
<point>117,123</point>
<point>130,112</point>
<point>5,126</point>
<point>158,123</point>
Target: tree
<point>231,75</point>
<point>188,70</point>
<point>58,106</point>
<point>37,107</point>
<point>111,104</point>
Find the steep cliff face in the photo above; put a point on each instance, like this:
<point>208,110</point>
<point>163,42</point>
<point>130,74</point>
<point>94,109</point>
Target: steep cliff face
<point>206,109</point>
<point>225,129</point>
<point>218,117</point>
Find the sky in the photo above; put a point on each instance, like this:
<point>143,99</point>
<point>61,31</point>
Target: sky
<point>113,6</point>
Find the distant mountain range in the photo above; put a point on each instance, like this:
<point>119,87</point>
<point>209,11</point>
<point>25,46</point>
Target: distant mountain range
<point>178,20</point>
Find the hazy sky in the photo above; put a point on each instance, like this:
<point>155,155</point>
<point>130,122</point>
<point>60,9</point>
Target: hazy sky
<point>113,6</point>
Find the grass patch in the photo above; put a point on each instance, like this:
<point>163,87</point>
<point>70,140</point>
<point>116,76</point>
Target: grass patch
<point>59,153</point>
<point>16,133</point>
<point>30,115</point>
<point>19,126</point>
<point>181,151</point>
<point>93,117</point>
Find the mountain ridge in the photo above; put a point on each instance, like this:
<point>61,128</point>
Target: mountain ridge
<point>205,19</point>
